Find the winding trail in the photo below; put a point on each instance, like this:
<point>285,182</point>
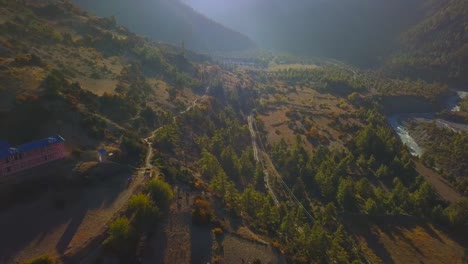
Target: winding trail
<point>270,170</point>
<point>148,140</point>
<point>255,150</point>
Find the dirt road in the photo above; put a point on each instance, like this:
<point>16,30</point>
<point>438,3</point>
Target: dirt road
<point>445,190</point>
<point>178,240</point>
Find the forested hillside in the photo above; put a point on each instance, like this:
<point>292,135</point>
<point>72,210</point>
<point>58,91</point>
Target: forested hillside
<point>436,48</point>
<point>59,66</point>
<point>418,39</point>
<point>169,21</point>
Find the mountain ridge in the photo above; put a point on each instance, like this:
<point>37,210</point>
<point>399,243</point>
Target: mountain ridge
<point>170,21</point>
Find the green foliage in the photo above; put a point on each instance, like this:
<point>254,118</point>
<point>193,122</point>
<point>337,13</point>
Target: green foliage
<point>143,208</point>
<point>116,107</point>
<point>54,83</point>
<point>371,207</point>
<point>424,198</point>
<point>28,60</point>
<point>120,228</point>
<point>20,131</point>
<point>328,78</point>
<point>457,214</point>
<point>168,137</point>
<point>120,232</point>
<point>230,162</point>
<point>134,150</point>
<point>262,212</point>
<point>436,48</point>
<point>364,188</point>
<point>464,104</point>
<point>448,150</point>
<point>160,191</point>
<point>45,259</point>
<point>94,124</point>
<point>209,165</point>
<point>345,195</point>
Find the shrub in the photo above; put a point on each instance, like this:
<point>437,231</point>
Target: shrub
<point>120,232</point>
<point>218,231</point>
<point>143,208</point>
<point>133,149</point>
<point>201,214</point>
<point>45,259</point>
<point>160,191</point>
<point>95,75</point>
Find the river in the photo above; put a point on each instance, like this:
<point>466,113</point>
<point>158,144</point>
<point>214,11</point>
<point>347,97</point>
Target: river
<point>398,122</point>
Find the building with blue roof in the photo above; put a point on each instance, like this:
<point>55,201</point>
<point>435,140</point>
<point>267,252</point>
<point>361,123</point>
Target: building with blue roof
<point>30,155</point>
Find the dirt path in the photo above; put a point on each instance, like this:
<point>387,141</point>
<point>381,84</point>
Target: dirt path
<point>270,170</point>
<point>177,239</point>
<point>444,189</point>
<point>37,228</point>
<point>266,178</point>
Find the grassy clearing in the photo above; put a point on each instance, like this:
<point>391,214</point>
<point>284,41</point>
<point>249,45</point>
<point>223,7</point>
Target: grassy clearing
<point>237,249</point>
<point>98,86</point>
<point>405,241</point>
<point>304,110</point>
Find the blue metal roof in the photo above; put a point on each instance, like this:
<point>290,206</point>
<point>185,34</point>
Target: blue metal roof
<point>6,150</point>
<point>4,145</point>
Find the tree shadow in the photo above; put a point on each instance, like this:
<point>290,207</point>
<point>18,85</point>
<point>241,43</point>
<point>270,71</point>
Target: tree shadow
<point>201,244</point>
<point>36,220</point>
<point>377,247</point>
<point>70,232</point>
<point>401,235</point>
<point>431,232</point>
<point>154,251</point>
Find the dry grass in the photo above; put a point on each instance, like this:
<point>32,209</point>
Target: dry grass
<point>319,109</point>
<point>237,249</point>
<point>98,86</point>
<point>405,241</point>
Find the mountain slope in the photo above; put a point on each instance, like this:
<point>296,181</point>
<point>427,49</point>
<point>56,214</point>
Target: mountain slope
<point>170,21</point>
<point>50,51</point>
<point>437,47</point>
<point>358,31</point>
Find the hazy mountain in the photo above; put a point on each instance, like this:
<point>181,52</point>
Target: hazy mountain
<point>437,47</point>
<point>358,31</point>
<point>170,21</point>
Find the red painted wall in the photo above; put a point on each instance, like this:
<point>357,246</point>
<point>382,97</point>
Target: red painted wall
<point>32,159</point>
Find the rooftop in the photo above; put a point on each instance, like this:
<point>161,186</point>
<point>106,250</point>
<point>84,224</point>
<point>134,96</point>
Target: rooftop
<point>6,150</point>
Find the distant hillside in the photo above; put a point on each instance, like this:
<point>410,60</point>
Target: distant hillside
<point>170,21</point>
<point>412,38</point>
<point>356,31</point>
<point>437,47</point>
